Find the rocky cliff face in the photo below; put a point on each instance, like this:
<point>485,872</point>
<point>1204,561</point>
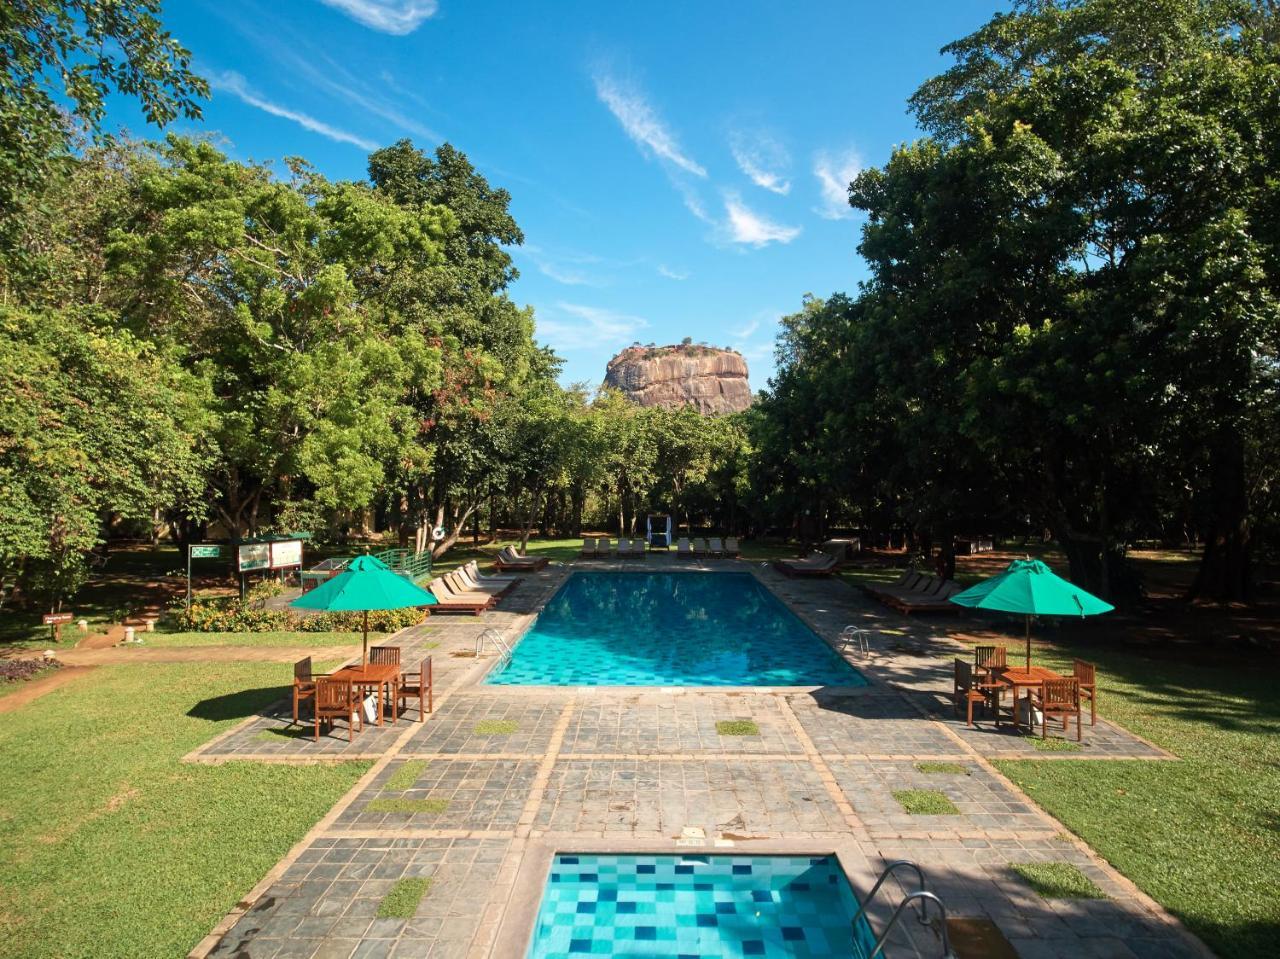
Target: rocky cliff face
<point>713,381</point>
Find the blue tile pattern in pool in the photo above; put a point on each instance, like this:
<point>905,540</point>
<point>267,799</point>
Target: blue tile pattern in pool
<point>671,629</point>
<point>698,907</point>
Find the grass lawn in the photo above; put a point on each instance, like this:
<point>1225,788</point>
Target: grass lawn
<point>255,639</point>
<point>109,846</point>
<point>1201,835</point>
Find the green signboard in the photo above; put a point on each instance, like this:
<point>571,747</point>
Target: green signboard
<point>206,552</point>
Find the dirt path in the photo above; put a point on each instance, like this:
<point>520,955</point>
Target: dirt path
<point>35,688</point>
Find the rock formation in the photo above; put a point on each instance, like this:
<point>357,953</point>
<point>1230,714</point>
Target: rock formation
<point>711,380</point>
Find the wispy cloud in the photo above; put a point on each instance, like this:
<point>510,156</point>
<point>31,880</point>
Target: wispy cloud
<point>763,159</point>
<point>746,226</point>
<point>746,332</point>
<point>398,17</point>
<point>835,171</point>
<point>575,326</point>
<point>233,83</point>
<point>671,274</point>
<point>642,123</point>
<point>565,268</point>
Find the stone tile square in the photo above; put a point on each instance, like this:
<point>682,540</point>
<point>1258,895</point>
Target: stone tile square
<point>649,723</point>
<point>487,795</point>
<point>874,722</point>
<point>453,728</point>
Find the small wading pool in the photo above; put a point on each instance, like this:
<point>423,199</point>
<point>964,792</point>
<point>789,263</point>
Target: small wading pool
<point>701,907</point>
<point>671,629</point>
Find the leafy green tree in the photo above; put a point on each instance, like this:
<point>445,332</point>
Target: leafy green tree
<point>95,424</point>
<point>59,60</point>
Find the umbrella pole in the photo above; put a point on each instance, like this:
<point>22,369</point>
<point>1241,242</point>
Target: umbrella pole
<point>364,641</point>
<point>1028,643</point>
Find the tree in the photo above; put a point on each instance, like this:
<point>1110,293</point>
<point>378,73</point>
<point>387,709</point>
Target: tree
<point>61,59</point>
<point>94,424</point>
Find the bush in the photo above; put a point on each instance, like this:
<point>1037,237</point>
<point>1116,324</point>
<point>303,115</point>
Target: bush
<point>13,670</point>
<point>234,616</point>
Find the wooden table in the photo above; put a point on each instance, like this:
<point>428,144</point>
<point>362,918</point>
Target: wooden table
<point>1022,678</point>
<point>372,675</point>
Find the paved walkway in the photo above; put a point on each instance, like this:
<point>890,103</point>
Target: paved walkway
<point>479,796</point>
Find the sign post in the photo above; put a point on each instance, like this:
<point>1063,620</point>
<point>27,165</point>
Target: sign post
<point>199,551</point>
<point>55,621</point>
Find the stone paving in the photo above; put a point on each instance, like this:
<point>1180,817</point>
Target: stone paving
<point>479,797</point>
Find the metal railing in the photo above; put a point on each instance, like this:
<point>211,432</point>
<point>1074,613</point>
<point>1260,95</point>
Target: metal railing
<point>920,895</point>
<point>496,639</point>
<point>414,566</point>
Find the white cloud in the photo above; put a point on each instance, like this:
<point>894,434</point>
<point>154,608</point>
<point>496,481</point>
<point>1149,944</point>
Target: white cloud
<point>398,17</point>
<point>763,159</point>
<point>835,172</point>
<point>744,225</point>
<point>564,268</point>
<point>671,274</point>
<point>746,332</point>
<point>642,123</point>
<point>586,327</point>
<point>231,82</point>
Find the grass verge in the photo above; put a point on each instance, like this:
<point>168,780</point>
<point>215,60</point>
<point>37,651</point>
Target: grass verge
<point>1058,880</point>
<point>110,846</point>
<point>925,802</point>
<point>1201,835</point>
<point>303,640</point>
<point>942,769</point>
<point>402,901</point>
<point>496,727</point>
<point>737,727</point>
<point>406,775</point>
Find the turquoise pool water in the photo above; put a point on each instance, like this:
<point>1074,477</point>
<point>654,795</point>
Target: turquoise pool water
<point>698,907</point>
<point>671,629</point>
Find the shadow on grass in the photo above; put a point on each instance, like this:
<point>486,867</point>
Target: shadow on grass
<point>240,704</point>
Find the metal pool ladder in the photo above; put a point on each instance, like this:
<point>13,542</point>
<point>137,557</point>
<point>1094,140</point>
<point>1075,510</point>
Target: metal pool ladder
<point>920,895</point>
<point>494,637</point>
<point>856,636</point>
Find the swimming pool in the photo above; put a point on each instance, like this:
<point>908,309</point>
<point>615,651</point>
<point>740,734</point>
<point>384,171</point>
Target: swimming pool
<point>698,906</point>
<point>671,629</point>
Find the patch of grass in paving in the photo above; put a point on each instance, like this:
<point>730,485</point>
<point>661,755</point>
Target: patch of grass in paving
<point>408,805</point>
<point>94,790</point>
<point>1058,880</point>
<point>737,727</point>
<point>496,727</point>
<point>925,802</point>
<point>402,901</point>
<point>942,769</point>
<point>1199,835</point>
<point>255,639</point>
<point>1057,745</point>
<point>405,776</point>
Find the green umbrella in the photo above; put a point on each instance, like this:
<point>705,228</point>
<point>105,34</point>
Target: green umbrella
<point>367,583</point>
<point>1030,587</point>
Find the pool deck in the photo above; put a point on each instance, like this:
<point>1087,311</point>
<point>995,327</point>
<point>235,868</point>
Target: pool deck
<point>643,769</point>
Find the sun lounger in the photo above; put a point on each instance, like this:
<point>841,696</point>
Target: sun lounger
<point>447,602</point>
<point>473,568</point>
<point>700,547</point>
<point>459,589</point>
<point>682,547</point>
<point>588,548</point>
<point>917,593</point>
<point>464,582</point>
<point>716,548</point>
<point>819,564</point>
<point>508,558</point>
<point>731,546</point>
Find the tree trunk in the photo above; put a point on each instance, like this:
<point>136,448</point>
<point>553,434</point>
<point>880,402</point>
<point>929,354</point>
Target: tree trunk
<point>533,510</point>
<point>1225,571</point>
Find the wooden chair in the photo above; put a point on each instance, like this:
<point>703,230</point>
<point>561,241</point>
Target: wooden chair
<point>967,691</point>
<point>336,699</point>
<point>417,684</point>
<point>988,660</point>
<point>304,683</point>
<point>1060,699</point>
<point>1086,676</point>
<point>384,655</point>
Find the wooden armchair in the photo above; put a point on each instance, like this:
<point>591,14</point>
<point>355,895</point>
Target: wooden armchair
<point>304,683</point>
<point>968,691</point>
<point>417,684</point>
<point>336,699</point>
<point>1059,699</point>
<point>1086,675</point>
<point>384,655</point>
<point>989,660</point>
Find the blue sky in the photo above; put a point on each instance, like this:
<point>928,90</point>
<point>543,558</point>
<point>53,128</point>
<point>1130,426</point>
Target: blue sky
<point>678,169</point>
